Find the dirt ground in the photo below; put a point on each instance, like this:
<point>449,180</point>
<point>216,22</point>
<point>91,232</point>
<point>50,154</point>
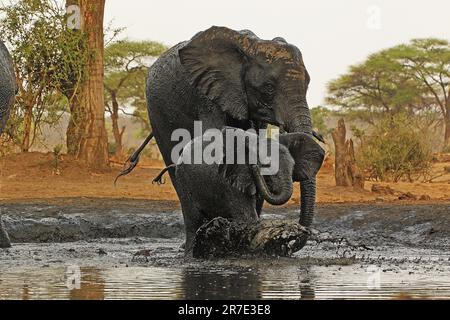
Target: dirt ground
<point>33,176</point>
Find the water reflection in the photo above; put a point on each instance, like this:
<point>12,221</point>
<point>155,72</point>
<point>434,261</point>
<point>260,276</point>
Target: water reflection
<point>25,292</point>
<point>296,284</point>
<point>92,286</point>
<point>220,284</point>
<point>225,283</point>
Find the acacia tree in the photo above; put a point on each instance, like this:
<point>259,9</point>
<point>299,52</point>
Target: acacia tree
<point>125,74</point>
<point>93,146</point>
<point>45,54</point>
<point>375,88</point>
<point>427,61</point>
<point>412,79</point>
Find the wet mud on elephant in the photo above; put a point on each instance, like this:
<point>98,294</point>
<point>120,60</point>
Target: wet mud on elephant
<point>230,195</point>
<point>7,92</point>
<point>224,77</point>
<point>7,85</point>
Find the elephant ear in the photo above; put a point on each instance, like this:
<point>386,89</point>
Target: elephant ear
<point>239,177</point>
<point>307,153</point>
<point>214,60</point>
<point>236,175</point>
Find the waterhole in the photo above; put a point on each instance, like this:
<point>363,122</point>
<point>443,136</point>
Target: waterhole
<point>346,282</point>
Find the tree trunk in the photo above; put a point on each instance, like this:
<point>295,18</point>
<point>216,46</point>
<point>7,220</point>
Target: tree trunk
<point>221,237</point>
<point>75,126</point>
<point>94,140</point>
<point>72,92</point>
<point>27,119</point>
<point>447,129</point>
<point>118,133</point>
<point>347,173</point>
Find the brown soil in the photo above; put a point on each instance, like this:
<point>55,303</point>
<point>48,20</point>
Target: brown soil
<point>33,176</point>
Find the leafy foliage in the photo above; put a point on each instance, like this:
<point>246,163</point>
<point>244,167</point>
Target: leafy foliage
<point>125,76</point>
<point>47,57</point>
<point>411,79</point>
<point>319,116</point>
<point>395,150</point>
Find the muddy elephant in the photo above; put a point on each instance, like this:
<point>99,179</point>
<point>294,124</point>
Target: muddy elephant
<point>223,77</point>
<point>235,189</point>
<point>232,190</point>
<point>7,85</point>
<point>7,93</point>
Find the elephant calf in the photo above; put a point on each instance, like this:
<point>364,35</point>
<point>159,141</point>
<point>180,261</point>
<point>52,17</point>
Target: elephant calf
<point>237,191</point>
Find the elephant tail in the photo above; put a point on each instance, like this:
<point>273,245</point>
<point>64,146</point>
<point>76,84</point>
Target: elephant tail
<point>133,160</point>
<point>159,178</point>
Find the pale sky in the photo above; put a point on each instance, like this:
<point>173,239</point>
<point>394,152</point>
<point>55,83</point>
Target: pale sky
<point>332,34</point>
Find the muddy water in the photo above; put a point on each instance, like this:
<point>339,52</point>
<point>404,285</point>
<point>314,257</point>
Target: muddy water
<point>86,251</point>
<point>171,283</point>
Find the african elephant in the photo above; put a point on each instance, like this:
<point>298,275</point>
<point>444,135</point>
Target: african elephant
<point>234,191</point>
<point>7,85</point>
<point>7,93</point>
<point>223,77</point>
<point>231,190</point>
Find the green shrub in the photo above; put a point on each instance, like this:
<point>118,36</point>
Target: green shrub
<point>318,117</point>
<point>112,147</point>
<point>395,150</point>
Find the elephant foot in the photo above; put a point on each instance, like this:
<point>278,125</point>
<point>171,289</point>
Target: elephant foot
<point>221,238</point>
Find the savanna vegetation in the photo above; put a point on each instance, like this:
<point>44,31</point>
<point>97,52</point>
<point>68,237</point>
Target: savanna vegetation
<point>398,100</point>
<point>88,80</point>
<point>68,71</point>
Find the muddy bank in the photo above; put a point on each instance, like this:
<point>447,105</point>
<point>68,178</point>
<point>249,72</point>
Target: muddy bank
<point>68,220</point>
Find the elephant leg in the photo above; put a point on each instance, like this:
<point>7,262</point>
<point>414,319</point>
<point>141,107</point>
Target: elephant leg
<point>193,218</point>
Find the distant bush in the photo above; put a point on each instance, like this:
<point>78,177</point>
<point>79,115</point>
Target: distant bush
<point>319,116</point>
<point>112,147</point>
<point>395,150</point>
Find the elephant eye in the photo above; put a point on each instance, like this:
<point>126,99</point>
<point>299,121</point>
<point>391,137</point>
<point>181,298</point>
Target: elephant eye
<point>269,89</point>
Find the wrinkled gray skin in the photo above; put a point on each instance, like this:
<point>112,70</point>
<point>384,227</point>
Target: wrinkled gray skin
<point>234,191</point>
<point>224,78</point>
<point>7,85</point>
<point>7,92</point>
<point>308,156</point>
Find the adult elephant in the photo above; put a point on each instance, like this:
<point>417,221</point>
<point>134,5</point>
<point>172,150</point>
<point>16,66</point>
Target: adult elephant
<point>7,92</point>
<point>7,85</point>
<point>223,77</point>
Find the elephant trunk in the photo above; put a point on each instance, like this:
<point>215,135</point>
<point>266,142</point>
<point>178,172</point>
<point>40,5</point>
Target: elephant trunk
<point>308,201</point>
<point>278,198</point>
<point>302,123</point>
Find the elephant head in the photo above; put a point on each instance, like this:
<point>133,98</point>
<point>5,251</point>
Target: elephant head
<point>276,189</point>
<point>7,85</point>
<point>264,81</point>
